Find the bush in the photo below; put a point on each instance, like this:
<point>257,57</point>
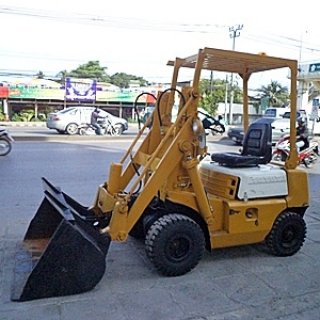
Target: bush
<point>2,117</point>
<point>27,116</point>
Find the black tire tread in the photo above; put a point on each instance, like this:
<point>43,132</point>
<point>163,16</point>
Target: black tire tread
<point>154,233</point>
<point>272,239</point>
<point>8,145</point>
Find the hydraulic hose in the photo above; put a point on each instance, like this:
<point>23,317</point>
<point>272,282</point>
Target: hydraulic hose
<point>136,101</point>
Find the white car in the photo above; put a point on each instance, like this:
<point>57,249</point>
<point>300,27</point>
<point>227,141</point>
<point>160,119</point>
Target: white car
<point>68,120</point>
<point>281,126</point>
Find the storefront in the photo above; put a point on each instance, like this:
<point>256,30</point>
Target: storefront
<point>4,93</point>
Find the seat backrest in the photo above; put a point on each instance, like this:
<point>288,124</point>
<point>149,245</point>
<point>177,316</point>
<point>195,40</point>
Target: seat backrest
<point>257,141</point>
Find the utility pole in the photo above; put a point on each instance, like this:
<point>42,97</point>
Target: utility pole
<point>226,100</point>
<point>234,33</point>
<point>302,84</point>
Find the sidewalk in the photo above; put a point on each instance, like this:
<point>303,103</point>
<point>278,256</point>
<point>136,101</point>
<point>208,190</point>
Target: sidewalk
<point>22,124</point>
<point>38,131</point>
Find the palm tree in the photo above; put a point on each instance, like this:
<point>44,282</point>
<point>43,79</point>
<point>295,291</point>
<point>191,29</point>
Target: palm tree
<point>276,93</point>
<point>62,75</point>
<point>40,75</point>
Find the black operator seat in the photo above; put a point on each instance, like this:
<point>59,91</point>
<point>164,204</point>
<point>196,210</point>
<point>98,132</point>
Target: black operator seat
<point>257,148</point>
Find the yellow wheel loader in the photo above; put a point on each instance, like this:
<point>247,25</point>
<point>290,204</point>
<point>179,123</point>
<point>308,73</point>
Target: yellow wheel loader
<point>168,192</point>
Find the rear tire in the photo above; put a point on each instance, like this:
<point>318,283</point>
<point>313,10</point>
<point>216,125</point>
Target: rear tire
<point>310,160</point>
<point>118,130</point>
<point>82,131</point>
<point>287,234</point>
<point>5,147</point>
<point>72,128</point>
<point>174,244</point>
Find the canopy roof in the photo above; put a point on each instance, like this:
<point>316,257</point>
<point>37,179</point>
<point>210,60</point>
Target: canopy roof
<point>235,62</point>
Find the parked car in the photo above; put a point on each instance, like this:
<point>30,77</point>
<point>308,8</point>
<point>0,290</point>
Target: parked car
<point>237,133</point>
<point>273,112</point>
<point>280,126</point>
<point>68,120</point>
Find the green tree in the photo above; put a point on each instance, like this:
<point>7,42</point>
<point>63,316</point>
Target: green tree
<point>213,92</point>
<point>89,70</point>
<point>122,79</point>
<point>40,75</point>
<point>93,70</point>
<point>63,74</point>
<point>276,93</point>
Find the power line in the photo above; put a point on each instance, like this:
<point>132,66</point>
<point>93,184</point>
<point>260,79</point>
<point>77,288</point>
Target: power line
<point>149,25</point>
<point>116,22</point>
<point>278,40</point>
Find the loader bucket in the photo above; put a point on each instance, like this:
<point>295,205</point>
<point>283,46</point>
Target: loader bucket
<point>62,252</point>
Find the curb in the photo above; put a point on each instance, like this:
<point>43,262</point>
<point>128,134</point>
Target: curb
<point>65,138</point>
<point>22,124</point>
<point>37,124</point>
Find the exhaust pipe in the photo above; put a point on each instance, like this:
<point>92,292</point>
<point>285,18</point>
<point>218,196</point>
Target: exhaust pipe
<point>62,253</point>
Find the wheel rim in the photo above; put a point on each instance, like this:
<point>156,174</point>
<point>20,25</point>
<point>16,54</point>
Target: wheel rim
<point>277,157</point>
<point>72,129</point>
<point>178,248</point>
<point>289,237</point>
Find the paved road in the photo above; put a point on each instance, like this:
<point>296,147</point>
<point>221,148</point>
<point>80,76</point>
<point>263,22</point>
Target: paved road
<point>237,283</point>
<point>39,132</point>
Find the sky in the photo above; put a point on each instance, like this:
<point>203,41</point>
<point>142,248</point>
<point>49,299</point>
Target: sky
<point>139,37</point>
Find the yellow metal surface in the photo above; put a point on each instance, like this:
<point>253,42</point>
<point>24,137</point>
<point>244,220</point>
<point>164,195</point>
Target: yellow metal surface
<point>165,164</point>
<point>245,222</point>
<point>219,184</point>
<point>234,61</point>
<point>104,202</point>
<point>298,188</point>
<point>245,64</point>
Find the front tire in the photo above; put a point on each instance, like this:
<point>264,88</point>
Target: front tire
<point>82,131</point>
<point>279,156</point>
<point>287,234</point>
<point>174,244</point>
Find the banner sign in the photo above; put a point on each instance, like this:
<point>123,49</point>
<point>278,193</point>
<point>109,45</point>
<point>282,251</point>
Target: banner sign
<point>81,91</point>
<point>4,92</point>
<point>314,67</point>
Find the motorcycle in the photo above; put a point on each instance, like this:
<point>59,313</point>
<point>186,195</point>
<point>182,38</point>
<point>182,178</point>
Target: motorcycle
<point>6,141</point>
<point>307,156</point>
<point>106,127</point>
<point>212,124</point>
